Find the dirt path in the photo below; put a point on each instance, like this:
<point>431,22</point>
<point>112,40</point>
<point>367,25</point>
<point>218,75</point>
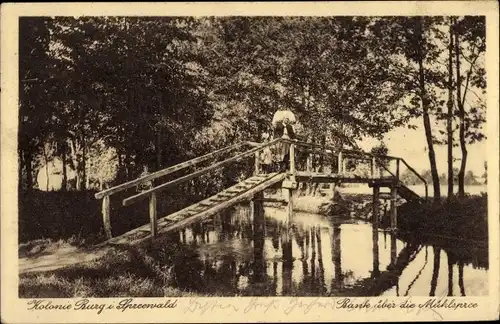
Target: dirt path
<point>58,258</point>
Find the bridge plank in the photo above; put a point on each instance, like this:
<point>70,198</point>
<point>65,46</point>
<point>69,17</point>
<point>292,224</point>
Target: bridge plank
<point>186,217</point>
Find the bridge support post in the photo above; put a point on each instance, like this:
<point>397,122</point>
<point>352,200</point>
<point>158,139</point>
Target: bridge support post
<point>251,207</point>
<point>375,250</point>
<point>106,217</point>
<point>393,209</point>
<point>288,193</point>
<point>376,206</point>
<point>153,214</point>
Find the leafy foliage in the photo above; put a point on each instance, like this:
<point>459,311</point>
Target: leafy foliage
<point>109,95</point>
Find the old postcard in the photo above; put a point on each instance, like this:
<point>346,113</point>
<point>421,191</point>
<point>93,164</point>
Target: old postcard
<point>244,162</point>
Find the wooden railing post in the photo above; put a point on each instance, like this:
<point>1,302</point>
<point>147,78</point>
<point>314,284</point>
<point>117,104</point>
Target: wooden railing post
<point>394,210</point>
<point>397,169</point>
<point>106,217</point>
<point>340,162</point>
<point>153,214</point>
<point>256,170</point>
<point>373,166</point>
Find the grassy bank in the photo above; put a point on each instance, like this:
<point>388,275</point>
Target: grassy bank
<point>76,215</point>
<point>121,272</point>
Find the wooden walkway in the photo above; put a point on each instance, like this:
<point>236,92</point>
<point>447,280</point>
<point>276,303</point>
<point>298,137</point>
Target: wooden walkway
<point>202,210</point>
<point>255,184</point>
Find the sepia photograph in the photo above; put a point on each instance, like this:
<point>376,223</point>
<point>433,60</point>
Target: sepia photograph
<point>240,155</point>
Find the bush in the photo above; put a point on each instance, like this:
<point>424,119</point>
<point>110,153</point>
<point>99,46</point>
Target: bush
<point>462,219</point>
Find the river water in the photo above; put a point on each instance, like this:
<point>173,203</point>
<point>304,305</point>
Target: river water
<point>228,256</point>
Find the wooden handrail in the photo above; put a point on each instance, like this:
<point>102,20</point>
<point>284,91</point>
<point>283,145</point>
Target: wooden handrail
<point>353,154</point>
<point>146,193</point>
<point>164,172</point>
<point>387,169</point>
<point>418,176</point>
<point>413,171</point>
<point>332,149</point>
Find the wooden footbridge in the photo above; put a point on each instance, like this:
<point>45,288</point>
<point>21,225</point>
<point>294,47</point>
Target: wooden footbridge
<point>384,173</point>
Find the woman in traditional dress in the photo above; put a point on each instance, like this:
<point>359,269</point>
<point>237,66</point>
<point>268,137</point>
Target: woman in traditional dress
<point>283,127</point>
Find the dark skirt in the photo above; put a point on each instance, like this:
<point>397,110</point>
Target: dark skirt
<point>283,149</point>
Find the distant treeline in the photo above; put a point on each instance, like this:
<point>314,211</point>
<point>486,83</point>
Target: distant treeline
<point>409,178</point>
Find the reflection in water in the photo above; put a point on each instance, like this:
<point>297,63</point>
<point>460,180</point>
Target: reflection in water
<point>393,249</point>
<point>450,275</point>
<point>419,273</point>
<point>461,277</point>
<point>237,253</point>
<point>376,261</point>
<point>435,271</point>
<point>336,256</point>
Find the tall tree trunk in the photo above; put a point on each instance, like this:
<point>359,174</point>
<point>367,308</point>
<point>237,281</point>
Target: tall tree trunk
<point>450,114</point>
<point>20,170</point>
<point>84,163</point>
<point>461,114</point>
<point>425,108</point>
<point>46,159</point>
<point>29,169</point>
<point>78,183</point>
<point>64,183</point>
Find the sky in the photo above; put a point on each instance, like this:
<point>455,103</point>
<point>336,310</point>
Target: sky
<point>411,145</point>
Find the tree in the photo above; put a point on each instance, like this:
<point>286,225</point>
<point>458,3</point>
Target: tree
<point>108,88</point>
<point>449,116</point>
<point>135,91</point>
<point>470,45</point>
<point>470,178</point>
<point>411,48</point>
<point>35,67</point>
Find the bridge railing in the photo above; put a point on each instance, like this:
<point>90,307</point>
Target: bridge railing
<point>342,156</point>
<point>152,193</point>
<point>418,176</point>
<point>378,162</point>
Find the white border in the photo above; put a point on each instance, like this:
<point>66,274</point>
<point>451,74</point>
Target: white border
<point>14,310</point>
